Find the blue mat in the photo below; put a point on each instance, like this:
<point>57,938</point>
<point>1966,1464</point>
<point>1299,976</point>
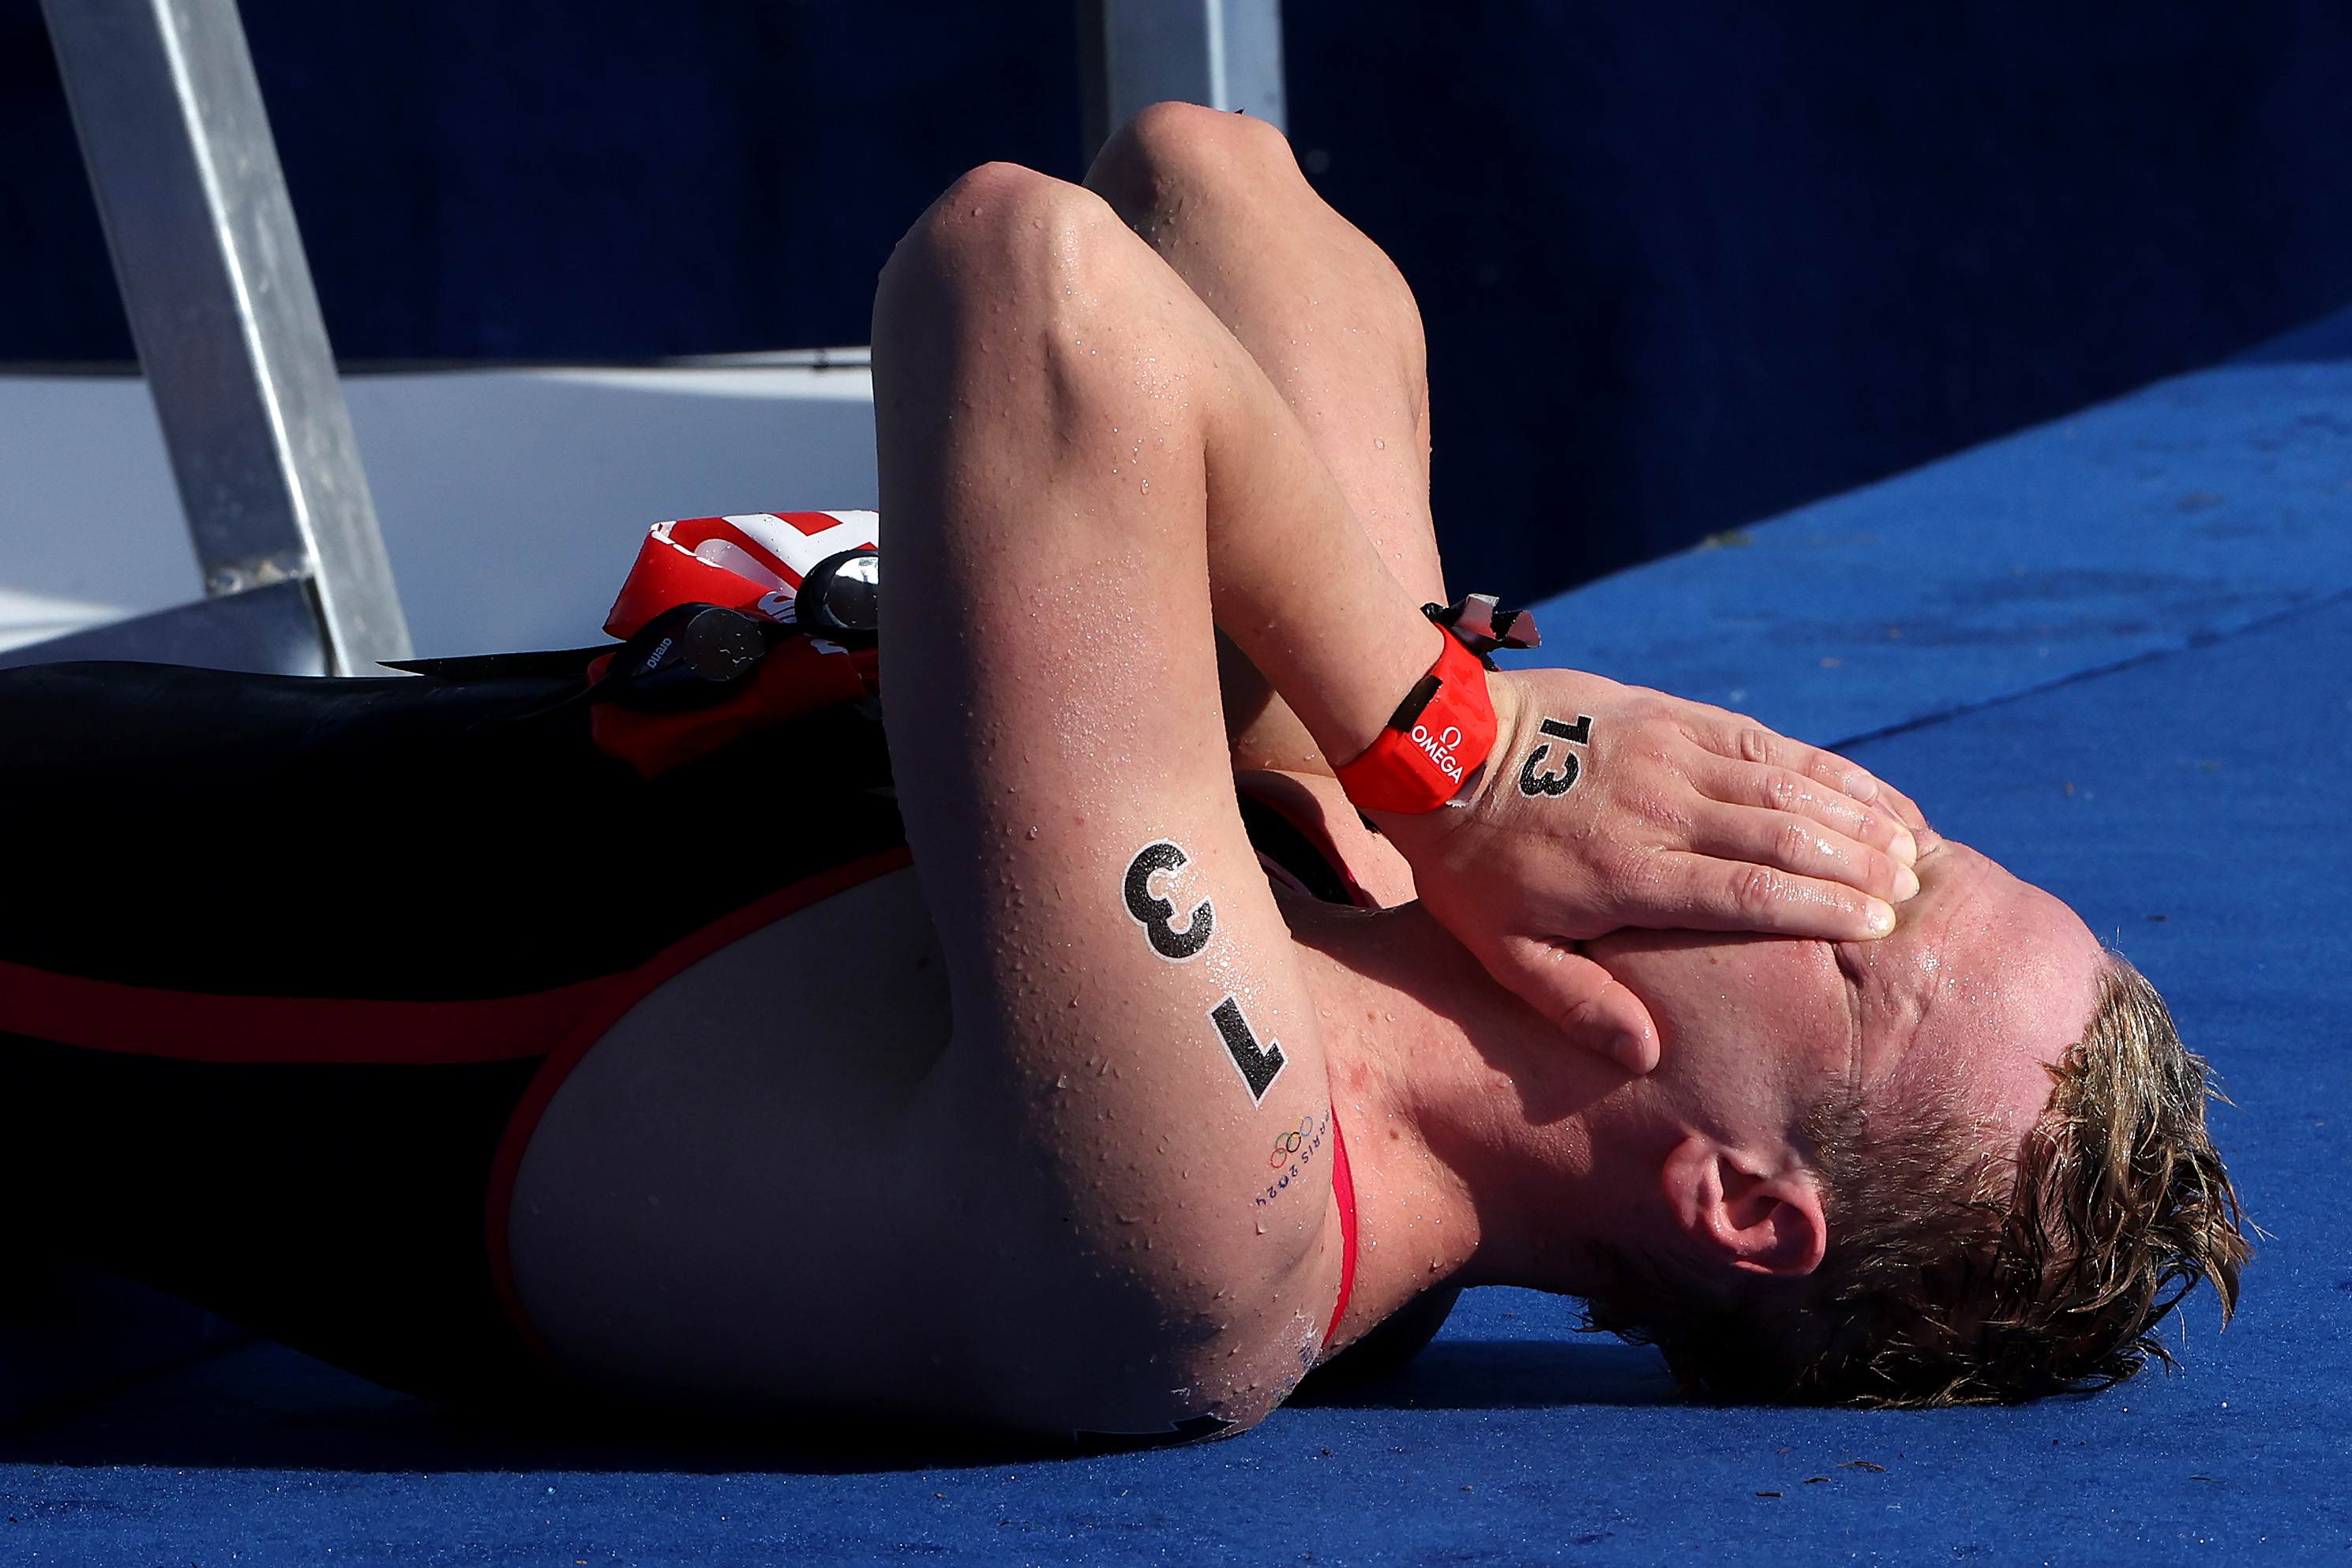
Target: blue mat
<point>2124,667</point>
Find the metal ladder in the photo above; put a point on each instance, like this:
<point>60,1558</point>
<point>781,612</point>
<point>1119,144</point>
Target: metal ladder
<point>1226,54</point>
<point>218,292</point>
<point>213,278</point>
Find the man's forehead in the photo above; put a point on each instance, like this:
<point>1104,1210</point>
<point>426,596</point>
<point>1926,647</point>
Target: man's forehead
<point>1987,988</point>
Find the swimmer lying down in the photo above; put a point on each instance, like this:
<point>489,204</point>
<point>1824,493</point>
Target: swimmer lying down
<point>1162,1070</point>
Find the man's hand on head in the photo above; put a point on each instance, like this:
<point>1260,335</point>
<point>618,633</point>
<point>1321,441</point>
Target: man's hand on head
<point>1606,805</point>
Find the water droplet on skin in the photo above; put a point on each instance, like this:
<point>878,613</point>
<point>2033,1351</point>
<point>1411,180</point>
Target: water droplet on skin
<point>1382,445</point>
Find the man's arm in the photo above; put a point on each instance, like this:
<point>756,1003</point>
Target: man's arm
<point>1686,816</point>
<point>1060,424</point>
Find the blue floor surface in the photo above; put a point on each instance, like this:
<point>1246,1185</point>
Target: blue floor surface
<point>2122,664</point>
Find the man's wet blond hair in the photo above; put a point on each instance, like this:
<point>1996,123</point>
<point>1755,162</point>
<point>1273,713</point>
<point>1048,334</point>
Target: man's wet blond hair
<point>1955,1278</point>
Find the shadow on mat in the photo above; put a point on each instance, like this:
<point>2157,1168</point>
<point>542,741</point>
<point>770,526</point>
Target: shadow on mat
<point>1511,1374</point>
<point>263,1406</point>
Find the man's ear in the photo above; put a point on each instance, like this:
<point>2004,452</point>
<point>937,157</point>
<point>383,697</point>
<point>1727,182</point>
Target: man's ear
<point>1758,1217</point>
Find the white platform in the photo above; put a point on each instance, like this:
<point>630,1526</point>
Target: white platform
<point>511,501</point>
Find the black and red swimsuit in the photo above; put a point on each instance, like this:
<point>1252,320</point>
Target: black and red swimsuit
<point>289,968</point>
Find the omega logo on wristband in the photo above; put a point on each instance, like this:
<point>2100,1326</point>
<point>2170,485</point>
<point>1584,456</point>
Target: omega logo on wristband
<point>1439,734</point>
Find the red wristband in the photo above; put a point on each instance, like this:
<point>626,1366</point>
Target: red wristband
<point>1439,734</point>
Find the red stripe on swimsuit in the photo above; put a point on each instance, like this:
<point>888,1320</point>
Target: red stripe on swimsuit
<point>559,1023</point>
<point>1343,1193</point>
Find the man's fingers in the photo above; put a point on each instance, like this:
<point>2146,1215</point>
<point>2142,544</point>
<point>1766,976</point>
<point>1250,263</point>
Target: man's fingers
<point>1781,789</point>
<point>1913,817</point>
<point>1851,778</point>
<point>1786,841</point>
<point>1708,894</point>
<point>1734,735</point>
<point>1594,1010</point>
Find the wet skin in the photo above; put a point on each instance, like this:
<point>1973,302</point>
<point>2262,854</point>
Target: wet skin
<point>1985,983</point>
<point>1508,1159</point>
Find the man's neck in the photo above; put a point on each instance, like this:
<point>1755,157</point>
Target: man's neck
<point>1471,1124</point>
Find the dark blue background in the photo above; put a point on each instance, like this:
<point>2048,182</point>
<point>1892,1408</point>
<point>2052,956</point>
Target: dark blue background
<point>1684,266</point>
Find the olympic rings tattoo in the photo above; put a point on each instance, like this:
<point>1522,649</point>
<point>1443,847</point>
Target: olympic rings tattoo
<point>1290,1142</point>
<point>1292,1152</point>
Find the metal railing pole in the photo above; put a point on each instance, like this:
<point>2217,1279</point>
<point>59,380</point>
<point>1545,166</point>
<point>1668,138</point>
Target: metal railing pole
<point>228,326</point>
<point>1226,54</point>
